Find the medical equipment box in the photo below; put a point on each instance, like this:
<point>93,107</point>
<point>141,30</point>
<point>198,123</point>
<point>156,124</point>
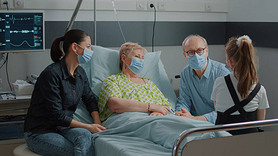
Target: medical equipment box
<point>23,89</point>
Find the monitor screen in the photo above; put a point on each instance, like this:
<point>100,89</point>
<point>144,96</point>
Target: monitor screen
<point>21,31</point>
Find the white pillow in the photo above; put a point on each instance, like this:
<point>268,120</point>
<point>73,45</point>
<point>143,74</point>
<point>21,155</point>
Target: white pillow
<point>105,62</point>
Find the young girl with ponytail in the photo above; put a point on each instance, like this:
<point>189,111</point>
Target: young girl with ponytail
<point>49,126</point>
<point>238,97</point>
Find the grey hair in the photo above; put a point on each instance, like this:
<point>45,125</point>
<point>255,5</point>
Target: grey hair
<point>188,37</point>
<point>128,48</point>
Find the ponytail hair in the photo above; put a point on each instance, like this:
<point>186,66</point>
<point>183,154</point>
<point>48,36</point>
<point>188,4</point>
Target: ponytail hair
<point>242,53</point>
<point>56,52</point>
<point>72,36</point>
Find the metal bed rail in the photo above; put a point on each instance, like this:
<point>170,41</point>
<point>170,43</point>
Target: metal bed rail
<point>236,126</point>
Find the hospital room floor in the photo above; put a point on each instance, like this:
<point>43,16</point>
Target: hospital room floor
<point>7,146</point>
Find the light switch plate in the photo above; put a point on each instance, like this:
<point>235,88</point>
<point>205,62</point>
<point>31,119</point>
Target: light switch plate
<point>18,4</point>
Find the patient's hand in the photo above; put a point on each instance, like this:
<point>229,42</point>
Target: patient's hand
<point>159,109</point>
<point>94,128</point>
<point>156,114</point>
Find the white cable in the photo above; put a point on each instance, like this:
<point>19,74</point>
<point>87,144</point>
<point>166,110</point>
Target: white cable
<point>116,15</point>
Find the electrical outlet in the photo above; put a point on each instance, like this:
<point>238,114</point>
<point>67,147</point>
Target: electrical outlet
<point>161,6</point>
<point>18,4</point>
<point>149,5</point>
<point>208,7</point>
<point>4,6</point>
<point>140,5</point>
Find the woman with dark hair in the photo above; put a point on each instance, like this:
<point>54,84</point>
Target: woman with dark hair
<point>49,126</point>
<point>238,97</point>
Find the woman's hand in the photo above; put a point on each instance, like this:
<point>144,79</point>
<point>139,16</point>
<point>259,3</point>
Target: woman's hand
<point>159,109</point>
<point>156,114</point>
<point>94,128</point>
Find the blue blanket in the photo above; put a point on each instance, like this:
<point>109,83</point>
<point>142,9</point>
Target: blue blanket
<point>162,131</point>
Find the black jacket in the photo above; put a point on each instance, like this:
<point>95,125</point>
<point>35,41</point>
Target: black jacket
<point>56,96</point>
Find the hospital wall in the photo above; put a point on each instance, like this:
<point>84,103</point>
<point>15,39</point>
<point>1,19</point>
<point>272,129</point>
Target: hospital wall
<point>171,28</point>
<point>259,19</point>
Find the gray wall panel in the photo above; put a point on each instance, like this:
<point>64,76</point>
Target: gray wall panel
<point>54,29</point>
<point>263,34</point>
<point>173,33</point>
<point>166,33</point>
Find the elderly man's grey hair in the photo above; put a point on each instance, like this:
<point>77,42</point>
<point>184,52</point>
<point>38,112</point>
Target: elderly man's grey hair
<point>188,37</point>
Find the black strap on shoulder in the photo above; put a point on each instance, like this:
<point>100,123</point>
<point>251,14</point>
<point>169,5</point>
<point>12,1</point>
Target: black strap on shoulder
<point>239,105</point>
<point>251,95</point>
<point>234,95</point>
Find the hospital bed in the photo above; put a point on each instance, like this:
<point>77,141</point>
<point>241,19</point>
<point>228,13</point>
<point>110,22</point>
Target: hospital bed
<point>118,141</point>
<point>131,135</point>
<point>135,133</point>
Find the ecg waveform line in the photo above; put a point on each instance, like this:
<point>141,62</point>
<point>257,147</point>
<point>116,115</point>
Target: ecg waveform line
<point>22,31</point>
<point>13,19</point>
<point>18,45</point>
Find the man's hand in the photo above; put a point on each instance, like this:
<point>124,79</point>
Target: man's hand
<point>187,114</point>
<point>184,113</point>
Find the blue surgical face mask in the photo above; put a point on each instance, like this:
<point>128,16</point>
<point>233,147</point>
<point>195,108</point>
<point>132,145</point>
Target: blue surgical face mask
<point>136,65</point>
<point>86,57</point>
<point>197,62</point>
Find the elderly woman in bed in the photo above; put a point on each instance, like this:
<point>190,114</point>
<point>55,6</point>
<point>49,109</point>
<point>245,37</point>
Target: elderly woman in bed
<point>126,91</point>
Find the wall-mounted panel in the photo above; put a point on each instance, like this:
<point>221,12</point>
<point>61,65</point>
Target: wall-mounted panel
<point>88,15</point>
<point>166,33</point>
<point>134,5</point>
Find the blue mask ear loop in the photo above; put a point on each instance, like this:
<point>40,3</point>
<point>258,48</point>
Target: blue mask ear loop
<point>127,57</point>
<point>81,48</point>
<point>75,51</point>
<point>127,66</point>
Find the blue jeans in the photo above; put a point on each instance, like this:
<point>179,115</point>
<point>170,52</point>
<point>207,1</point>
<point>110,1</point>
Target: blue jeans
<point>68,142</point>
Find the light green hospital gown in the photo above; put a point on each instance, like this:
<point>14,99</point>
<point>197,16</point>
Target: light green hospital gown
<point>120,86</point>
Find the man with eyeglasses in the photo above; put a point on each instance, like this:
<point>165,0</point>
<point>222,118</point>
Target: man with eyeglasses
<point>197,80</point>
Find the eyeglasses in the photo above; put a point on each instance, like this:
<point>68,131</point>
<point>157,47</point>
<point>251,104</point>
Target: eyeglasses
<point>199,51</point>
